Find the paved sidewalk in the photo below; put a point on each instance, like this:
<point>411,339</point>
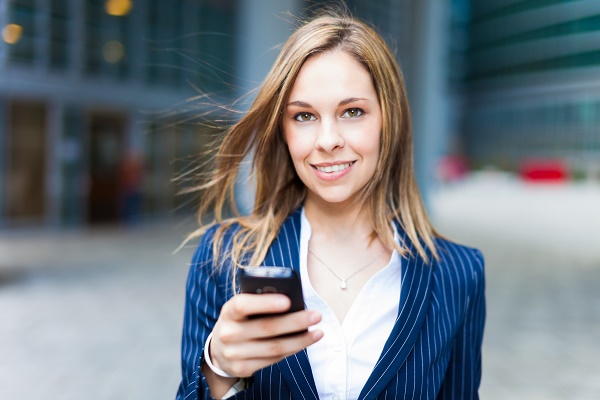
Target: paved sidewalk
<point>542,250</point>
<point>91,315</point>
<point>97,314</point>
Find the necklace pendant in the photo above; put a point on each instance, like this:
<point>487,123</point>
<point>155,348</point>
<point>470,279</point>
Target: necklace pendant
<point>343,284</point>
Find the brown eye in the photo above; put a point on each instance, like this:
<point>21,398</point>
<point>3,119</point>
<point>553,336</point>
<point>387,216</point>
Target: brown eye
<point>352,113</point>
<point>304,117</point>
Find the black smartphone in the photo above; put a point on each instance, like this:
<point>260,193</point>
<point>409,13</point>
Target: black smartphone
<point>282,280</point>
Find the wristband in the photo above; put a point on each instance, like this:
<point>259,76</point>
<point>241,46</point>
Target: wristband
<point>214,369</point>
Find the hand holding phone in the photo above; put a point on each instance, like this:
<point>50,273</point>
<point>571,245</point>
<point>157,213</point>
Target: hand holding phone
<point>250,341</point>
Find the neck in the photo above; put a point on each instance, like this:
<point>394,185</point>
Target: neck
<point>339,221</point>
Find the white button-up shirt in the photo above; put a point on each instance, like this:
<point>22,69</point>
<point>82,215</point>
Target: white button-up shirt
<point>344,358</point>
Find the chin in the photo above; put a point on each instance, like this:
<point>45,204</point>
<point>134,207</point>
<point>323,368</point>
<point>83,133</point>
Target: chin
<point>333,198</point>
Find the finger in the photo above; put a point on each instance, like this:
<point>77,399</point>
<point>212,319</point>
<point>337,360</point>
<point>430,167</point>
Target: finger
<point>245,305</point>
<point>265,327</point>
<point>273,348</point>
<point>283,324</point>
<point>244,362</point>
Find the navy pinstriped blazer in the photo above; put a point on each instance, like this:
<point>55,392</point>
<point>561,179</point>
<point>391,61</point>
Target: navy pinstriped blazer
<point>433,351</point>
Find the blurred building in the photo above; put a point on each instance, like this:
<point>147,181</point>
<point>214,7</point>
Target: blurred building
<point>533,84</point>
<point>82,82</point>
<point>76,76</point>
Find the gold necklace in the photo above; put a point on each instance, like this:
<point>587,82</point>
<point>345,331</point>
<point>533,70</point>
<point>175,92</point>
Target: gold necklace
<point>343,284</point>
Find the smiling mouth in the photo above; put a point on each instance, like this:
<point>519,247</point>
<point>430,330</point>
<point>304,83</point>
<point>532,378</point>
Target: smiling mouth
<point>334,168</point>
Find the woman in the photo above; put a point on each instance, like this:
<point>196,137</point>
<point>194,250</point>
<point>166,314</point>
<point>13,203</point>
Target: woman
<point>392,309</point>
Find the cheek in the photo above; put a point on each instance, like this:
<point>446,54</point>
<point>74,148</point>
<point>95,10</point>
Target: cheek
<point>374,143</point>
<point>298,154</point>
<point>366,142</point>
<point>371,145</point>
<point>298,146</point>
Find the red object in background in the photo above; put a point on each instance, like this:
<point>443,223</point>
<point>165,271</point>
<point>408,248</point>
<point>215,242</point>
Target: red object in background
<point>451,168</point>
<point>544,170</point>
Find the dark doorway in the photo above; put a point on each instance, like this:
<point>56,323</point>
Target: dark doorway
<point>107,143</point>
<point>26,178</point>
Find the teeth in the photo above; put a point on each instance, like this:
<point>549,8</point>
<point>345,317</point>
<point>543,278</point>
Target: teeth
<point>334,168</point>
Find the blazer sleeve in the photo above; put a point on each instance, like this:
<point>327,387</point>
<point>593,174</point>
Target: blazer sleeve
<point>463,375</point>
<point>206,292</point>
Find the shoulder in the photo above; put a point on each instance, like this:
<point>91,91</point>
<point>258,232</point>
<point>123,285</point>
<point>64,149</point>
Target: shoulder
<point>459,262</point>
<point>452,251</point>
<point>209,273</point>
<point>216,237</point>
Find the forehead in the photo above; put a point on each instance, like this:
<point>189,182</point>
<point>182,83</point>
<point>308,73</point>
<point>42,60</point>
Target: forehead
<point>332,72</point>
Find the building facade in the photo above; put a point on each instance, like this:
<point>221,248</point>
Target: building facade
<point>103,102</point>
<point>84,88</point>
<point>533,85</point>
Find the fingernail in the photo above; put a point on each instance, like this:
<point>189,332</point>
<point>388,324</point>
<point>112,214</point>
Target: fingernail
<point>317,335</point>
<point>282,302</point>
<point>314,317</point>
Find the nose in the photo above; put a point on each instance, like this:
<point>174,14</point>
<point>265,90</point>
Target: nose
<point>329,136</point>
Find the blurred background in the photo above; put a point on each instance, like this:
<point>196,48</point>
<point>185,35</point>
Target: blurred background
<point>104,104</point>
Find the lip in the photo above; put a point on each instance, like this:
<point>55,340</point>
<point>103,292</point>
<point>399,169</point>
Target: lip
<point>333,175</point>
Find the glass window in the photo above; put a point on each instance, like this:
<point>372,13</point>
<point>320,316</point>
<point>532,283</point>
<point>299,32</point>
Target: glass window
<point>59,34</point>
<point>516,7</point>
<point>23,14</point>
<point>163,39</point>
<point>191,41</point>
<point>107,41</point>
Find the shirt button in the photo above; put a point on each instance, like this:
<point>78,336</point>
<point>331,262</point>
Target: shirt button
<point>337,349</point>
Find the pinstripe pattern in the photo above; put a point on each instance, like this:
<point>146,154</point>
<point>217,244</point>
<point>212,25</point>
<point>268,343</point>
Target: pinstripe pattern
<point>433,352</point>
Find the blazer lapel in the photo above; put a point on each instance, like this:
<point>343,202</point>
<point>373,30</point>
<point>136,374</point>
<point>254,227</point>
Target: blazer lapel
<point>285,252</point>
<point>415,295</point>
<point>298,376</point>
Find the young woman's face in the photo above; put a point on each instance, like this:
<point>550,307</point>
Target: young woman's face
<point>332,126</point>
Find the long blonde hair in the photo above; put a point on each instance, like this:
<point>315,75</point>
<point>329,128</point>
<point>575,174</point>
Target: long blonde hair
<point>392,193</point>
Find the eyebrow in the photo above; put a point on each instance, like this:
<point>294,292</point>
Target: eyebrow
<point>299,104</point>
<point>350,100</point>
<point>342,103</point>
